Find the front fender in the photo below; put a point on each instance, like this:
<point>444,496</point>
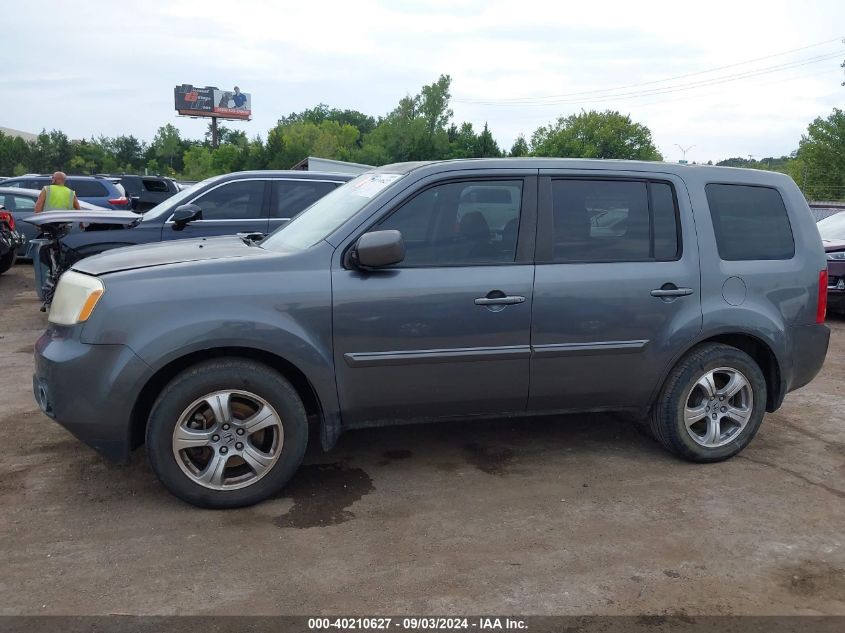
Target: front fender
<point>164,313</point>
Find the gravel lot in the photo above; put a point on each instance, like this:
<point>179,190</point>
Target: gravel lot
<point>575,515</point>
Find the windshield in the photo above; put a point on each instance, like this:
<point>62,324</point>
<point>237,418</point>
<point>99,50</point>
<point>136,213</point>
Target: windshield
<point>323,217</point>
<point>833,227</point>
<point>175,200</point>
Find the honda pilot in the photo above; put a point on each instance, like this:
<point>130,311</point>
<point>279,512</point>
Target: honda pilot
<point>690,296</point>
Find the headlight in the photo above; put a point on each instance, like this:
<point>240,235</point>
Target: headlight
<point>838,256</point>
<point>75,298</point>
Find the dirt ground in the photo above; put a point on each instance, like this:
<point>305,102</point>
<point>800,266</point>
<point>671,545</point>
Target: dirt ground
<point>576,515</point>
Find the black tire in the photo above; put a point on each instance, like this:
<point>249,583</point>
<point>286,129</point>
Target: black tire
<point>7,261</point>
<point>667,415</point>
<point>217,375</point>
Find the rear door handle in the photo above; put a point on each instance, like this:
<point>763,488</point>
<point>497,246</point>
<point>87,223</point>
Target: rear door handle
<point>499,301</point>
<point>671,292</point>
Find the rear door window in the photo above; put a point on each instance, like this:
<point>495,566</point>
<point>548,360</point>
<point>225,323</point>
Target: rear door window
<point>291,197</point>
<point>14,202</point>
<point>88,188</point>
<point>750,222</point>
<point>239,200</point>
<point>613,221</point>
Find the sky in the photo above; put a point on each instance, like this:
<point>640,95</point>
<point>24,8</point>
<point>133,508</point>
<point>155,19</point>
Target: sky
<point>108,68</point>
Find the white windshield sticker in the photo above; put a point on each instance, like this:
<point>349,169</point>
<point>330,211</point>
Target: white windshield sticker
<point>372,184</point>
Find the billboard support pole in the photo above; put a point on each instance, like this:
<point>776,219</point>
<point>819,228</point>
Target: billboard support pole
<point>214,137</point>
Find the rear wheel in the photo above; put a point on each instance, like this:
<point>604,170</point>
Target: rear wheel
<point>7,261</point>
<point>227,433</point>
<point>711,405</point>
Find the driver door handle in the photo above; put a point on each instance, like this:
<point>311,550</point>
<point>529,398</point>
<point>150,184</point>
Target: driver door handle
<point>671,292</point>
<point>499,301</point>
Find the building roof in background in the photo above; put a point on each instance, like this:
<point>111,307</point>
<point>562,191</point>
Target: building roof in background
<point>822,209</point>
<point>312,163</point>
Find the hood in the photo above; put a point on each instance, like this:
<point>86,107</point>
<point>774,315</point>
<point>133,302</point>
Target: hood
<point>833,245</point>
<point>163,253</point>
<point>89,216</point>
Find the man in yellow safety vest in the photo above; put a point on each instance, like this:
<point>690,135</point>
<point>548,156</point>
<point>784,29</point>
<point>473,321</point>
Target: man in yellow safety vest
<point>56,196</point>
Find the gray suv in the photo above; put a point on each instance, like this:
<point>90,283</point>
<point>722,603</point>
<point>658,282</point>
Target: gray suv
<point>688,295</point>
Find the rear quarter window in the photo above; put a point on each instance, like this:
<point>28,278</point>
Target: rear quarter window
<point>750,222</point>
<point>157,186</point>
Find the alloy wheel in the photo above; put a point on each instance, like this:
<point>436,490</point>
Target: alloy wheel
<point>228,439</point>
<point>718,407</point>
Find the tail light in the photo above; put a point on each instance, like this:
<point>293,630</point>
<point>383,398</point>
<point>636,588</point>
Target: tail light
<point>122,201</point>
<point>821,306</point>
<point>8,218</point>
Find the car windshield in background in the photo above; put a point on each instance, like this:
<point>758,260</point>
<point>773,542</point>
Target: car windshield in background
<point>174,201</point>
<point>833,227</point>
<point>323,217</point>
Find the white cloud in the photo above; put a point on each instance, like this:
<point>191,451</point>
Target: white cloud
<point>111,68</point>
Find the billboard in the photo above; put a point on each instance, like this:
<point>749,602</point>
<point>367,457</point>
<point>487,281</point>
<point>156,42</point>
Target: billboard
<point>210,101</point>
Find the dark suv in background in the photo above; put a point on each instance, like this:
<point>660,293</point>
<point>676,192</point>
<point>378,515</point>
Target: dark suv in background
<point>95,190</point>
<point>145,192</point>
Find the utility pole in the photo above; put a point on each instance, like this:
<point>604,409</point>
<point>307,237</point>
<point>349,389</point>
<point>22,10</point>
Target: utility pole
<point>214,136</point>
<point>684,151</point>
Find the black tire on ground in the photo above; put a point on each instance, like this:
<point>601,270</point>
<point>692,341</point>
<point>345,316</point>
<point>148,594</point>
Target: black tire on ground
<point>217,375</point>
<point>7,261</point>
<point>667,415</point>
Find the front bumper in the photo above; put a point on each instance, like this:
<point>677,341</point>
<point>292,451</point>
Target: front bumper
<point>88,389</point>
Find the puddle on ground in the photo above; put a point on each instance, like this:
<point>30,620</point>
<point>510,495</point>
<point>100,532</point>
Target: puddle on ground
<point>322,494</point>
<point>817,579</point>
<point>493,461</point>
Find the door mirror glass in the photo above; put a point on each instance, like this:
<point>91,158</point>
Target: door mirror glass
<point>184,214</point>
<point>379,248</point>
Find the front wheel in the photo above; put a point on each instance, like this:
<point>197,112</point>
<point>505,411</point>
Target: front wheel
<point>226,433</point>
<point>711,404</point>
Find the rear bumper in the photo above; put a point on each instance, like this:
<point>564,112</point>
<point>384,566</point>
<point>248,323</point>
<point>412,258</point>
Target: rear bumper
<point>809,348</point>
<point>89,389</point>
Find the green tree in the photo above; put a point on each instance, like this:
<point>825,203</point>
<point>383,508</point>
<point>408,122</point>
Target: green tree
<point>14,151</point>
<point>463,141</point>
<point>593,134</point>
<point>820,161</point>
<point>127,151</point>
<point>199,163</point>
<point>486,146</point>
<point>519,147</point>
<point>51,152</point>
<point>255,154</point>
<point>414,130</point>
<point>289,143</point>
<point>168,148</point>
<point>226,159</point>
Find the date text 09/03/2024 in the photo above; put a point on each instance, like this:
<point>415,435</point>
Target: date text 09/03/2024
<point>417,623</point>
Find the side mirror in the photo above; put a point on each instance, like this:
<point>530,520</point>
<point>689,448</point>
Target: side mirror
<point>379,248</point>
<point>184,214</point>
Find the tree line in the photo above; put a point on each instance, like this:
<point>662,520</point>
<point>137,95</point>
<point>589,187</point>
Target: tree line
<point>420,127</point>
